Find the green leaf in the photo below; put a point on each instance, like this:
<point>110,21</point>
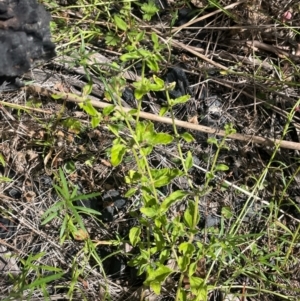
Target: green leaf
<point>189,160</point>
<point>212,140</point>
<point>5,179</point>
<point>117,153</point>
<point>164,176</point>
<point>152,64</point>
<point>89,108</point>
<point>96,120</point>
<point>42,281</point>
<point>159,82</point>
<point>156,277</point>
<point>149,212</point>
<point>144,53</point>
<point>130,56</point>
<point>221,167</point>
<point>156,287</point>
<point>154,38</point>
<point>183,263</point>
<point>182,295</point>
<point>134,235</point>
<point>131,192</point>
<point>186,248</point>
<point>145,151</point>
<point>149,9</point>
<point>198,288</point>
<point>174,197</point>
<point>86,210</point>
<point>229,129</point>
<point>114,129</point>
<point>181,99</point>
<point>121,24</point>
<point>49,218</point>
<point>163,111</point>
<point>160,138</point>
<point>107,110</point>
<point>2,160</point>
<point>164,255</point>
<point>132,177</point>
<point>72,124</point>
<point>227,212</point>
<point>111,39</point>
<point>187,137</point>
<point>87,89</point>
<point>189,215</point>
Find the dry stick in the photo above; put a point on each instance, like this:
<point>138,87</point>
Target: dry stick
<point>196,127</point>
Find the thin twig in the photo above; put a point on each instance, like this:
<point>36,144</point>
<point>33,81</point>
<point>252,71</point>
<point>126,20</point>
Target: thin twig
<point>196,127</point>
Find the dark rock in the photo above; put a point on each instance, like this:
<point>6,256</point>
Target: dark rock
<point>24,36</point>
<point>111,203</point>
<point>178,76</point>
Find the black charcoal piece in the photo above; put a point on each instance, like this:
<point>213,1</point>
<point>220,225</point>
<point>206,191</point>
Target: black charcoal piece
<point>111,203</point>
<point>15,193</point>
<point>178,76</point>
<point>24,36</point>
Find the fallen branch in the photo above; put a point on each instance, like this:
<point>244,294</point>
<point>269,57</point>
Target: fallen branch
<point>196,127</point>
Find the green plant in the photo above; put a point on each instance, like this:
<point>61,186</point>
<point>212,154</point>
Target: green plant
<point>43,275</point>
<point>68,212</point>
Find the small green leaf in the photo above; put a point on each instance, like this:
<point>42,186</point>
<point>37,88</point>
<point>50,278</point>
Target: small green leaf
<point>156,277</point>
<point>2,161</point>
<point>163,111</point>
<point>189,215</point>
<point>189,160</point>
<point>145,151</point>
<point>181,99</point>
<point>160,138</point>
<point>183,263</point>
<point>134,235</point>
<point>130,56</point>
<point>156,286</point>
<point>96,120</point>
<point>152,64</point>
<point>89,108</point>
<point>108,110</point>
<point>187,137</point>
<point>199,288</point>
<point>164,176</point>
<point>131,192</point>
<point>221,167</point>
<point>87,89</point>
<point>174,197</point>
<point>186,248</point>
<point>212,140</point>
<point>114,129</point>
<point>121,24</point>
<point>227,212</point>
<point>154,38</point>
<point>5,179</point>
<point>117,153</point>
<point>159,82</point>
<point>132,177</point>
<point>149,212</point>
<point>149,9</point>
<point>49,218</point>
